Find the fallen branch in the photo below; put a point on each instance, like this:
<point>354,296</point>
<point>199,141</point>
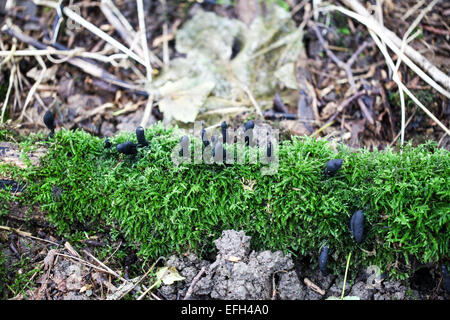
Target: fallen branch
<point>194,282</point>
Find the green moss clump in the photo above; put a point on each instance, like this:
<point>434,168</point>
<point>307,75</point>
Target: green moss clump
<point>165,209</point>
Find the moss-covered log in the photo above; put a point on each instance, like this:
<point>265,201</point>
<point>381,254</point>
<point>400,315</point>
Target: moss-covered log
<point>404,197</point>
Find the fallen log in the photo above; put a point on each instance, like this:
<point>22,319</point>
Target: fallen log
<point>168,208</point>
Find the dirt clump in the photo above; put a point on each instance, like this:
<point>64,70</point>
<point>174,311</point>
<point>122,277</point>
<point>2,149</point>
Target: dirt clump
<point>238,273</point>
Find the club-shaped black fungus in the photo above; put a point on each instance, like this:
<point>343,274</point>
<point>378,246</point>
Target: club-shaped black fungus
<point>249,126</point>
<point>184,144</point>
<point>204,138</point>
<point>128,148</point>
<point>49,121</point>
<point>323,257</point>
<point>107,143</point>
<point>446,278</point>
<point>272,115</point>
<point>333,166</point>
<point>278,104</point>
<point>224,132</point>
<point>357,226</point>
<point>269,149</point>
<point>140,135</point>
<point>235,48</point>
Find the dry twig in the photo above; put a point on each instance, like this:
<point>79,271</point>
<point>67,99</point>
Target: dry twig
<point>347,68</point>
<point>194,282</point>
<point>313,286</point>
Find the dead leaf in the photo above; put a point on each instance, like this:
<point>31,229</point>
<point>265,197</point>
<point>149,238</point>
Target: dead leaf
<point>356,127</point>
<point>182,99</point>
<point>286,74</point>
<point>294,127</point>
<point>168,275</point>
<point>269,48</point>
<point>49,259</point>
<point>49,73</point>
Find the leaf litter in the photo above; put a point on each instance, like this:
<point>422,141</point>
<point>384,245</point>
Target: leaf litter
<point>208,72</point>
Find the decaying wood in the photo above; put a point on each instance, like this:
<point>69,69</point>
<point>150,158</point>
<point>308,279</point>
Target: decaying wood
<point>19,214</point>
<point>10,153</point>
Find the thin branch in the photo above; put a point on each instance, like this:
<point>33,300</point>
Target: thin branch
<point>83,64</point>
<point>406,124</point>
<point>393,42</point>
<point>143,33</point>
<point>405,41</point>
<point>404,88</point>
<point>92,28</point>
<point>27,234</point>
<point>125,30</point>
<point>194,283</point>
<point>347,68</point>
<point>34,87</point>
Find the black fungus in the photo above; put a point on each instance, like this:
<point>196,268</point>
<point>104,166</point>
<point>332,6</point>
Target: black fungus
<point>107,143</point>
<point>446,278</point>
<point>357,226</point>
<point>157,114</point>
<point>235,48</point>
<point>269,149</point>
<point>204,138</point>
<point>49,121</point>
<point>140,135</point>
<point>323,257</point>
<point>224,132</point>
<point>272,115</point>
<point>248,128</point>
<point>333,166</point>
<point>278,104</point>
<point>128,148</point>
<point>184,144</point>
<point>249,125</point>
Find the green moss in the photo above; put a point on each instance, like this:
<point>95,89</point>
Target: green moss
<point>166,209</point>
